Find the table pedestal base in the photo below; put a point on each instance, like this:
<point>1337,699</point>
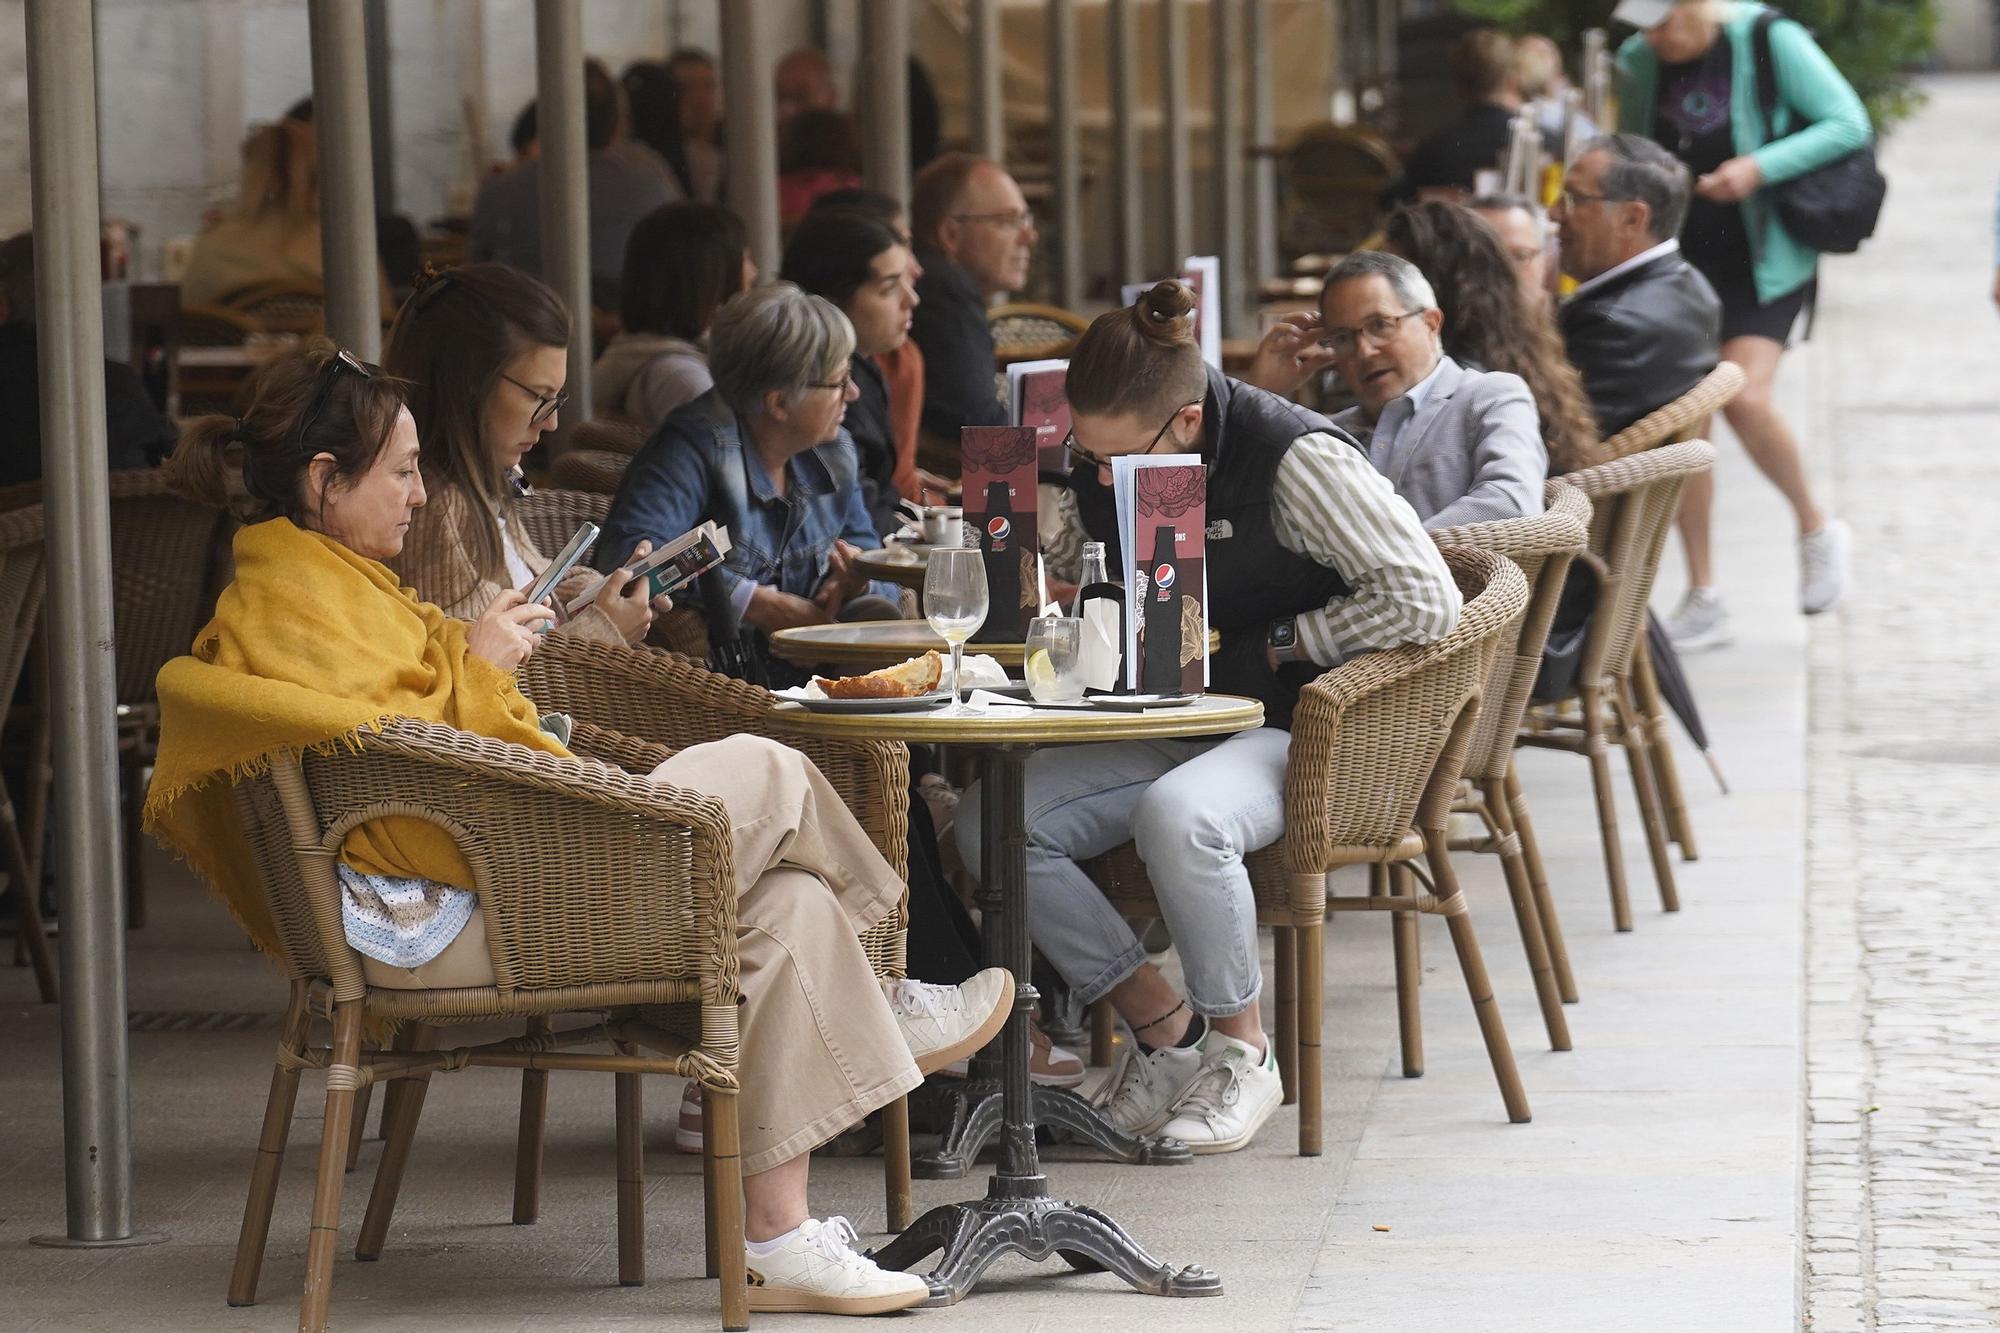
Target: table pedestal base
<point>974,1111</point>
<point>973,1235</point>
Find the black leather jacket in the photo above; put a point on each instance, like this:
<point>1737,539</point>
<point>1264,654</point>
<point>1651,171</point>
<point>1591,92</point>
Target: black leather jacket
<point>1642,339</point>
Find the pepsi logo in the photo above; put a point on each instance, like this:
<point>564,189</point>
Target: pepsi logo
<point>1163,577</point>
<point>999,528</point>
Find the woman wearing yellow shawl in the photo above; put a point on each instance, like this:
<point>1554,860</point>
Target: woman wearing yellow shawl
<point>316,640</point>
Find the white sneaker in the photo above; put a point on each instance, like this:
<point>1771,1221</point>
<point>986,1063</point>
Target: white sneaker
<point>817,1268</point>
<point>1230,1099</point>
<point>1823,557</point>
<point>1700,622</point>
<point>1141,1093</point>
<point>943,1023</point>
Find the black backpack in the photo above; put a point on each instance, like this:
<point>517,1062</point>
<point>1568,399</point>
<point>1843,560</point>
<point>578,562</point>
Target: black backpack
<point>1833,208</point>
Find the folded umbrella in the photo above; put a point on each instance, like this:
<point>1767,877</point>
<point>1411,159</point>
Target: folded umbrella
<point>1672,682</point>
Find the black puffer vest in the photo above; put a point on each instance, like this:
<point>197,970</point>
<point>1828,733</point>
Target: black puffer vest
<point>1252,578</point>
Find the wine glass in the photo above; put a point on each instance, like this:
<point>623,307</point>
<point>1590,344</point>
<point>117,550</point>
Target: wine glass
<point>955,604</point>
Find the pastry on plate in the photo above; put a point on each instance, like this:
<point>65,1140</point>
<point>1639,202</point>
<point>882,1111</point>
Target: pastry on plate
<point>906,680</point>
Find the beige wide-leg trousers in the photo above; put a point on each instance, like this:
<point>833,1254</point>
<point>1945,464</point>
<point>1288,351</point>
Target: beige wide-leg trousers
<point>820,1048</point>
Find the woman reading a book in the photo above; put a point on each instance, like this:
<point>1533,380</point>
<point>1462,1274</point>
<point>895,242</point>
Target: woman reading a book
<point>316,640</point>
<point>1311,558</point>
<point>483,351</point>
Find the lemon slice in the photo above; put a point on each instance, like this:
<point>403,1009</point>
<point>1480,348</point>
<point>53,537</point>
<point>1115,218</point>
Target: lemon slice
<point>1041,672</point>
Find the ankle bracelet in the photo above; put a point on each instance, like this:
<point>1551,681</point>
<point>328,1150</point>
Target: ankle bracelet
<point>1137,1028</point>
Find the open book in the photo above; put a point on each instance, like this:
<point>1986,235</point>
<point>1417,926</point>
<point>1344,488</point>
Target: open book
<point>670,567</point>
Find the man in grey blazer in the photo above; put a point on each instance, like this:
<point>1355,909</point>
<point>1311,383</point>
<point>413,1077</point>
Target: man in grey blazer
<point>1461,445</point>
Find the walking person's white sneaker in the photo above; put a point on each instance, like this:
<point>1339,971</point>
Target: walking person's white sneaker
<point>1700,622</point>
<point>1823,560</point>
<point>1229,1100</point>
<point>1141,1093</point>
<point>816,1268</point>
<point>944,1023</point>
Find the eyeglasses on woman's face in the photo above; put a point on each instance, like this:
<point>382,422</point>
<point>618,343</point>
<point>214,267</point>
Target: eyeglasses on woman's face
<point>546,404</point>
<point>841,385</point>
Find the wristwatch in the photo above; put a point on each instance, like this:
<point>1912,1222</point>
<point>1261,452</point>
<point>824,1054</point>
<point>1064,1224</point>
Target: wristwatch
<point>1284,639</point>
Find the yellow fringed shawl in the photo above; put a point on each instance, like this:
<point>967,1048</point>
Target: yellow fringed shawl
<point>311,645</point>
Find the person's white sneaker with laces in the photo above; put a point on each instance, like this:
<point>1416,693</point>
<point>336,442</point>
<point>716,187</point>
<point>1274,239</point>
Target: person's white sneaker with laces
<point>942,1023</point>
<point>1140,1095</point>
<point>1700,622</point>
<point>1229,1100</point>
<point>817,1269</point>
<point>1823,559</point>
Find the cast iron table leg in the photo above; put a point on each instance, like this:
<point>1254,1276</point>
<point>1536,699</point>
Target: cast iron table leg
<point>1018,1215</point>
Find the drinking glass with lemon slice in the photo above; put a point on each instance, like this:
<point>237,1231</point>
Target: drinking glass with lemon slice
<point>1053,659</point>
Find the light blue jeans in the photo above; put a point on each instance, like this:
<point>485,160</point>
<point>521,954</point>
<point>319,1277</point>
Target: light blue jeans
<point>1195,809</point>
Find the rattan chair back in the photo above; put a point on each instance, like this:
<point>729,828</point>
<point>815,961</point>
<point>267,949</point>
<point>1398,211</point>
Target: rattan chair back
<point>165,552</point>
<point>599,470</point>
<point>1679,420</point>
<point>552,515</point>
<point>212,326</point>
<point>1542,547</point>
<point>280,307</point>
<point>1634,500</point>
<point>23,582</point>
<point>1379,742</point>
<point>614,435</point>
<point>1026,331</point>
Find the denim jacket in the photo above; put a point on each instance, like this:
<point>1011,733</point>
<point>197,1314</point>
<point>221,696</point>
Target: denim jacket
<point>699,465</point>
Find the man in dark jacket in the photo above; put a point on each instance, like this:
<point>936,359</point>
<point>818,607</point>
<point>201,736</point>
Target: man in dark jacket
<point>1643,326</point>
<point>974,237</point>
<point>135,431</point>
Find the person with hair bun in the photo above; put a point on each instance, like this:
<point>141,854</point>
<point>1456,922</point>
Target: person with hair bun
<point>316,641</point>
<point>1312,559</point>
<point>484,349</point>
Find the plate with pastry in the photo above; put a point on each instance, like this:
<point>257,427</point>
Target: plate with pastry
<point>907,687</point>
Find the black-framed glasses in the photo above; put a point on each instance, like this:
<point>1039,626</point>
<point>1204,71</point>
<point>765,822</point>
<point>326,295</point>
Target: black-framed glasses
<point>546,404</point>
<point>1078,451</point>
<point>843,384</point>
<point>1377,329</point>
<point>1014,221</point>
<point>343,360</point>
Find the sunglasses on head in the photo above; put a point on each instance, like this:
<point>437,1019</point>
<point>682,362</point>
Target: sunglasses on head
<point>343,360</point>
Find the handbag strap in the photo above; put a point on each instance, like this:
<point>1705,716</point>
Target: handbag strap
<point>1767,71</point>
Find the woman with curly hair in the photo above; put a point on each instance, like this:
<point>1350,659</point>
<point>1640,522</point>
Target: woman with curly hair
<point>1489,326</point>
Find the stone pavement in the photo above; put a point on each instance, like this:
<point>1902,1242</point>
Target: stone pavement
<point>1662,1182</point>
<point>1903,1182</point>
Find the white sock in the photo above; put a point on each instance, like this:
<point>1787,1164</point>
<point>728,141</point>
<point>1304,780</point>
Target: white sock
<point>768,1246</point>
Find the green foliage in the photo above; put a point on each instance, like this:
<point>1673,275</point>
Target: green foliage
<point>1875,43</point>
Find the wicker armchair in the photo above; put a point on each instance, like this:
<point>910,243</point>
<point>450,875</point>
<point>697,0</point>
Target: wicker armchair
<point>212,326</point>
<point>23,570</point>
<point>673,702</point>
<point>552,515</point>
<point>1682,419</point>
<point>1378,745</point>
<point>280,307</point>
<point>1025,331</point>
<point>1633,503</point>
<point>168,559</point>
<point>609,434</point>
<point>642,914</point>
<point>598,470</point>
<point>1542,547</point>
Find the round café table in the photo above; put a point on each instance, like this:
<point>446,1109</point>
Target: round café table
<point>899,562</point>
<point>870,644</point>
<point>1018,1214</point>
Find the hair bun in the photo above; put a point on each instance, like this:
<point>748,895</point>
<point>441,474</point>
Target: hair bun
<point>1163,312</point>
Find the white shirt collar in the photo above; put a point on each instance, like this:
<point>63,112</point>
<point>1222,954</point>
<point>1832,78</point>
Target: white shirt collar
<point>1670,246</point>
<point>1421,390</point>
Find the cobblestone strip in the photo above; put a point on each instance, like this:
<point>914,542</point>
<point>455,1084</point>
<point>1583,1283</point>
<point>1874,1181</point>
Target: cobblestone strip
<point>1902,1197</point>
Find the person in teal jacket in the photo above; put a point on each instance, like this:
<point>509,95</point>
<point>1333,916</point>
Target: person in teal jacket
<point>1689,81</point>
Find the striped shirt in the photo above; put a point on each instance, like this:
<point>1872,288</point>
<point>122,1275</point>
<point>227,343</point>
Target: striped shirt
<point>1331,506</point>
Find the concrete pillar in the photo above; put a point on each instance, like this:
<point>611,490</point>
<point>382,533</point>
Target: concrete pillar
<point>381,116</point>
<point>97,1097</point>
<point>1063,149</point>
<point>346,177</point>
<point>1261,219</point>
<point>565,183</point>
<point>1174,97</point>
<point>885,93</point>
<point>989,107</point>
<point>750,114</point>
<point>1124,44</point>
<point>1225,52</point>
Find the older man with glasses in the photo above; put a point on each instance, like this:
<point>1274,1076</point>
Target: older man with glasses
<point>974,236</point>
<point>764,454</point>
<point>1461,445</point>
